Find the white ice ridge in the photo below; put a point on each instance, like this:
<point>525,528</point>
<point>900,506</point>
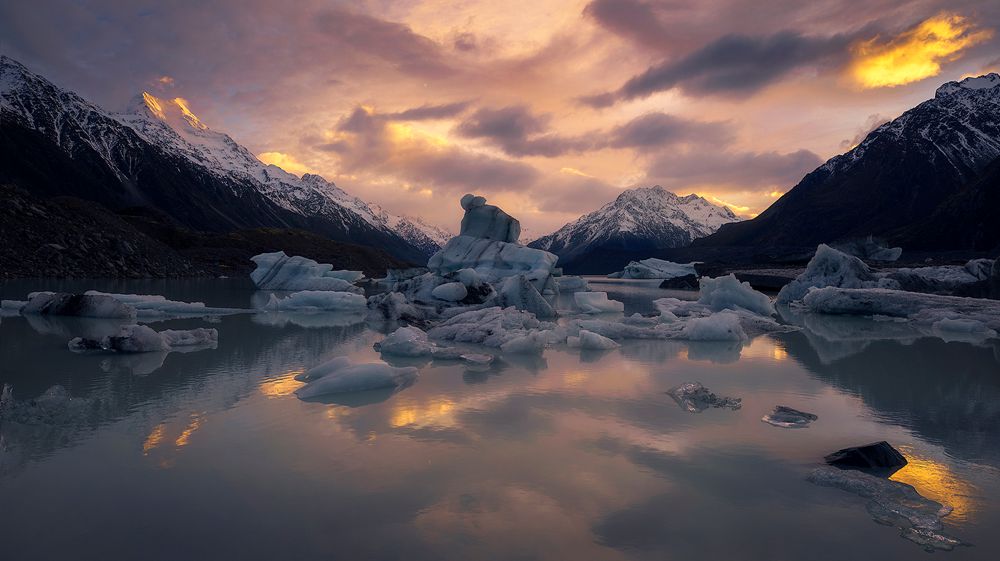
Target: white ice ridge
<point>277,271</point>
<point>653,268</point>
<point>143,339</point>
<point>597,303</point>
<point>830,267</point>
<point>152,306</point>
<point>340,375</point>
<point>588,340</point>
<point>310,301</point>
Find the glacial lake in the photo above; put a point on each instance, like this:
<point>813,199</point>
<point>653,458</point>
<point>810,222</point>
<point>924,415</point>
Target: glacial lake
<point>571,455</point>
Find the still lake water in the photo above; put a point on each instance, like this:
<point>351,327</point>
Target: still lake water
<point>208,454</point>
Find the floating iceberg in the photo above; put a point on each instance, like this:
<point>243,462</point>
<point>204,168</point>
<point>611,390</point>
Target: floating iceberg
<point>153,306</point>
<point>720,326</point>
<point>79,305</point>
<point>346,378</point>
<point>728,293</point>
<point>533,342</point>
<point>405,341</point>
<point>277,271</point>
<point>924,309</point>
<point>786,417</point>
<point>516,291</point>
<point>597,303</point>
<point>570,283</point>
<point>487,221</point>
<point>830,267</point>
<point>325,369</point>
<point>494,260</point>
<point>317,301</point>
<point>893,503</point>
<point>945,279</point>
<point>143,339</point>
<point>695,398</point>
<point>653,268</point>
<point>588,340</point>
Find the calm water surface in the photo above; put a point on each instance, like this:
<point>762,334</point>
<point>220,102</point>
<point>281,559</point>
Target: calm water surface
<point>209,455</point>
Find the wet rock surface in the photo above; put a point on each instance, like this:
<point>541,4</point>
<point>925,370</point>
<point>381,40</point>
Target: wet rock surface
<point>696,398</point>
<point>878,457</point>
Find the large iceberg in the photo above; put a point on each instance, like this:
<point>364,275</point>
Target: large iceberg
<point>277,271</point>
<point>728,293</point>
<point>488,244</point>
<point>653,268</point>
<point>830,267</point>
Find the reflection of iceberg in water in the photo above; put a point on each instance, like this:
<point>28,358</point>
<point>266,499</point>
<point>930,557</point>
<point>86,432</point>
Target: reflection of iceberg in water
<point>949,393</point>
<point>68,326</point>
<point>308,320</point>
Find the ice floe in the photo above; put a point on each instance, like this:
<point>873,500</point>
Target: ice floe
<point>570,283</point>
<point>728,293</point>
<point>153,306</point>
<point>144,339</point>
<point>317,301</point>
<point>490,327</point>
<point>786,417</point>
<point>695,398</point>
<point>653,268</point>
<point>406,342</point>
<point>721,326</point>
<point>346,377</point>
<point>597,303</point>
<point>830,267</point>
<point>78,305</point>
<point>893,503</point>
<point>277,271</point>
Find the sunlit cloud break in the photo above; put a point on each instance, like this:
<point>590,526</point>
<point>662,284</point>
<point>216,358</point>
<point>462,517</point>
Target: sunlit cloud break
<point>916,53</point>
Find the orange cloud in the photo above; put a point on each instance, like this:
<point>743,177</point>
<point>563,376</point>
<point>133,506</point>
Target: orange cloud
<point>916,53</point>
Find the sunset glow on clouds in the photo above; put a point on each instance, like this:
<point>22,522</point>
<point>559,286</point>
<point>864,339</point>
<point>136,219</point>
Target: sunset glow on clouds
<point>549,108</point>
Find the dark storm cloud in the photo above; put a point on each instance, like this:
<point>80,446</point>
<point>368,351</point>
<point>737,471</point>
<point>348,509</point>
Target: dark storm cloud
<point>731,65</point>
<point>742,169</point>
<point>655,130</point>
<point>634,19</point>
<point>520,132</point>
<point>429,112</point>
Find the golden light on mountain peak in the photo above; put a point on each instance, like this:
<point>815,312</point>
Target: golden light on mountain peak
<point>284,161</point>
<point>915,54</point>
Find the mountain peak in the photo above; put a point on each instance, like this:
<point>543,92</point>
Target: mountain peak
<point>175,112</point>
<point>986,81</point>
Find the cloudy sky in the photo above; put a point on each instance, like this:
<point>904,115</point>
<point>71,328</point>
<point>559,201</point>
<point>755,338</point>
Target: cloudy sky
<point>548,107</point>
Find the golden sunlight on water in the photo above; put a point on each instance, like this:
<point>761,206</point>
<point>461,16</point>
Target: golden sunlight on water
<point>154,439</point>
<point>437,412</point>
<point>282,385</point>
<point>185,437</point>
<point>937,481</point>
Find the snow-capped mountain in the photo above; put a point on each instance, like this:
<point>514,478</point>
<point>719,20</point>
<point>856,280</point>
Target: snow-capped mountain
<point>637,220</point>
<point>160,154</point>
<point>892,182</point>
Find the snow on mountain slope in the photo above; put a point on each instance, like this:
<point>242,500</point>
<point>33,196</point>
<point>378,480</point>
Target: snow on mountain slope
<point>900,175</point>
<point>639,219</point>
<point>224,183</point>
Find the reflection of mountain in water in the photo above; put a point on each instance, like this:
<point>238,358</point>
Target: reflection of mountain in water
<point>949,393</point>
<point>109,387</point>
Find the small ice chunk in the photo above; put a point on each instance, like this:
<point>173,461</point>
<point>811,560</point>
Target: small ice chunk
<point>450,291</point>
<point>591,341</point>
<point>478,359</point>
<point>788,418</point>
<point>720,326</point>
<point>317,301</point>
<point>358,378</point>
<point>277,271</point>
<point>79,305</point>
<point>570,283</point>
<point>728,293</point>
<point>695,398</point>
<point>325,369</point>
<point>963,327</point>
<point>597,303</point>
<point>405,341</point>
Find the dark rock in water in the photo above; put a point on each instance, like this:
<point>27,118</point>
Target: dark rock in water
<point>788,418</point>
<point>879,457</point>
<point>687,282</point>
